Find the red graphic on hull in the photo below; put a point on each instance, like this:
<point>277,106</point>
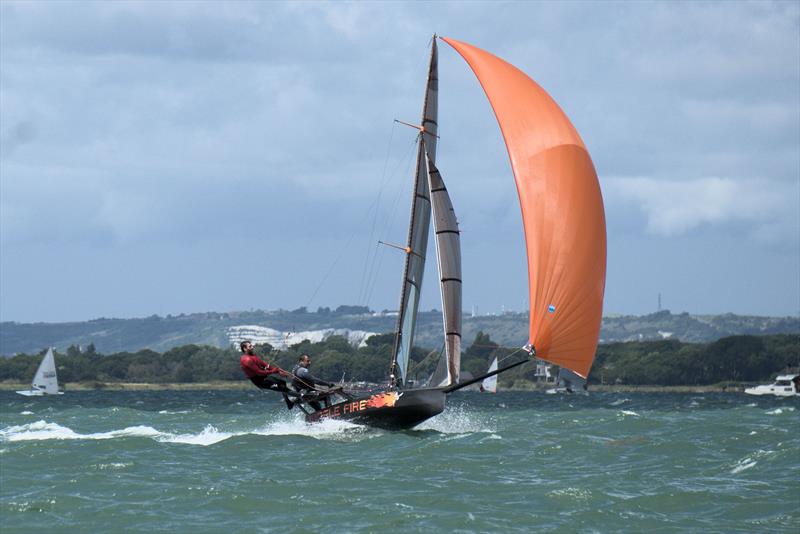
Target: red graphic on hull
<point>383,400</point>
<point>380,400</point>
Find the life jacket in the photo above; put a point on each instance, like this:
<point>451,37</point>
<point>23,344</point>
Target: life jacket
<point>297,383</point>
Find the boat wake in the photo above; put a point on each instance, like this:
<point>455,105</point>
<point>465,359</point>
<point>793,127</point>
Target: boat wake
<point>457,420</point>
<point>210,435</point>
<point>42,430</point>
<point>452,421</point>
<point>779,411</point>
<point>326,429</point>
<point>751,460</point>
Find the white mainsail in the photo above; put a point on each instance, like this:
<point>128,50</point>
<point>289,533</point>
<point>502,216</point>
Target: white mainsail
<point>448,250</point>
<point>418,229</point>
<point>45,381</point>
<point>490,384</point>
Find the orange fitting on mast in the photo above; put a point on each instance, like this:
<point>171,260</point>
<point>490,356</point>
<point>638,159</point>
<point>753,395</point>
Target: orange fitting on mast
<point>420,128</point>
<point>405,249</point>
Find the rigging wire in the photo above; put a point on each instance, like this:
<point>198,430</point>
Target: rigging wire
<point>377,259</point>
<point>507,356</point>
<point>330,269</point>
<point>360,224</point>
<point>373,261</point>
<point>424,360</point>
<point>504,358</point>
<point>362,289</point>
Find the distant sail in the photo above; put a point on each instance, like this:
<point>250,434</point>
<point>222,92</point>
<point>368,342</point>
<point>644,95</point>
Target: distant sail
<point>448,250</point>
<point>45,381</point>
<point>419,227</point>
<point>490,384</point>
<point>562,212</point>
<point>569,382</point>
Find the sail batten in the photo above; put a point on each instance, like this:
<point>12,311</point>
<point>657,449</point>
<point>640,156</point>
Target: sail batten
<point>562,211</point>
<point>448,255</point>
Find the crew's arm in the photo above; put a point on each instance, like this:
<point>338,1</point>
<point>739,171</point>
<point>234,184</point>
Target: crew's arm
<point>319,381</point>
<point>260,367</point>
<point>305,376</point>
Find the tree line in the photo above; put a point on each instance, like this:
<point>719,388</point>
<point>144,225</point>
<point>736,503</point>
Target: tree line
<point>669,362</point>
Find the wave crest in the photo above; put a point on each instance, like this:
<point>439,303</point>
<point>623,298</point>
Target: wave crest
<point>42,430</point>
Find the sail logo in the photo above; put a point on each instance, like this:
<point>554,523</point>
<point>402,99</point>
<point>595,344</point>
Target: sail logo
<point>49,374</point>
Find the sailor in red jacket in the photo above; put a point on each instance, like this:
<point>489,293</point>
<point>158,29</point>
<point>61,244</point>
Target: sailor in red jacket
<point>263,374</point>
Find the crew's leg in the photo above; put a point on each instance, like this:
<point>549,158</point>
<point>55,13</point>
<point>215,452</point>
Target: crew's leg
<point>273,384</point>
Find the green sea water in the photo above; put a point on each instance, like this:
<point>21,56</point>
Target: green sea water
<point>238,461</point>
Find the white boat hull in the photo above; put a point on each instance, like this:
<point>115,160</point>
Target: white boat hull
<point>775,392</point>
<point>37,393</point>
<point>784,386</point>
<point>566,391</point>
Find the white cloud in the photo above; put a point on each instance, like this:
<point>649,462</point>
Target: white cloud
<point>674,207</point>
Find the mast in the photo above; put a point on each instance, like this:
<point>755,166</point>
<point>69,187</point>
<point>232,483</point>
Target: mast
<point>418,229</point>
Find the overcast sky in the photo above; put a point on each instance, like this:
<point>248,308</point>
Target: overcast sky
<point>182,157</point>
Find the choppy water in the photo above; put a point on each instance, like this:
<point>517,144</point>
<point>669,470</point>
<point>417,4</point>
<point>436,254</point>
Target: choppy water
<point>234,461</point>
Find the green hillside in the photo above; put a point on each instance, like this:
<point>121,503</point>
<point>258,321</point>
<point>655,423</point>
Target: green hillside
<point>510,329</point>
<point>666,363</point>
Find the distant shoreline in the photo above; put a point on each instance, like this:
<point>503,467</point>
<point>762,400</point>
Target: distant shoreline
<point>246,385</point>
<point>137,386</point>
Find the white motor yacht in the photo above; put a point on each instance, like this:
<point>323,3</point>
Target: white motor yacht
<point>784,386</point>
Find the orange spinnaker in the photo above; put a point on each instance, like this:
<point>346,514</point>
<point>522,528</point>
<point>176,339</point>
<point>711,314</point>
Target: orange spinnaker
<point>562,212</point>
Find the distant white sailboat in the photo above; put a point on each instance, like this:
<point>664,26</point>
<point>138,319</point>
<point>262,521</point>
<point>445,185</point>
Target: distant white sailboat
<point>489,384</point>
<point>45,381</point>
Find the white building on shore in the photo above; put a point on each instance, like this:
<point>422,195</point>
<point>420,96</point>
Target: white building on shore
<point>282,340</point>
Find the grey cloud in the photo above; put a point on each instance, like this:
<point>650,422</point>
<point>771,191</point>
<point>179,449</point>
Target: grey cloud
<point>268,32</point>
<point>20,133</point>
<point>191,128</point>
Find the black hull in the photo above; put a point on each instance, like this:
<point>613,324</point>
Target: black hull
<point>397,409</point>
<point>391,410</point>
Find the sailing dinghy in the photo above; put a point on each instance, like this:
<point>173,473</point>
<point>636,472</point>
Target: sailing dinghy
<point>489,385</point>
<point>564,225</point>
<point>45,381</point>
